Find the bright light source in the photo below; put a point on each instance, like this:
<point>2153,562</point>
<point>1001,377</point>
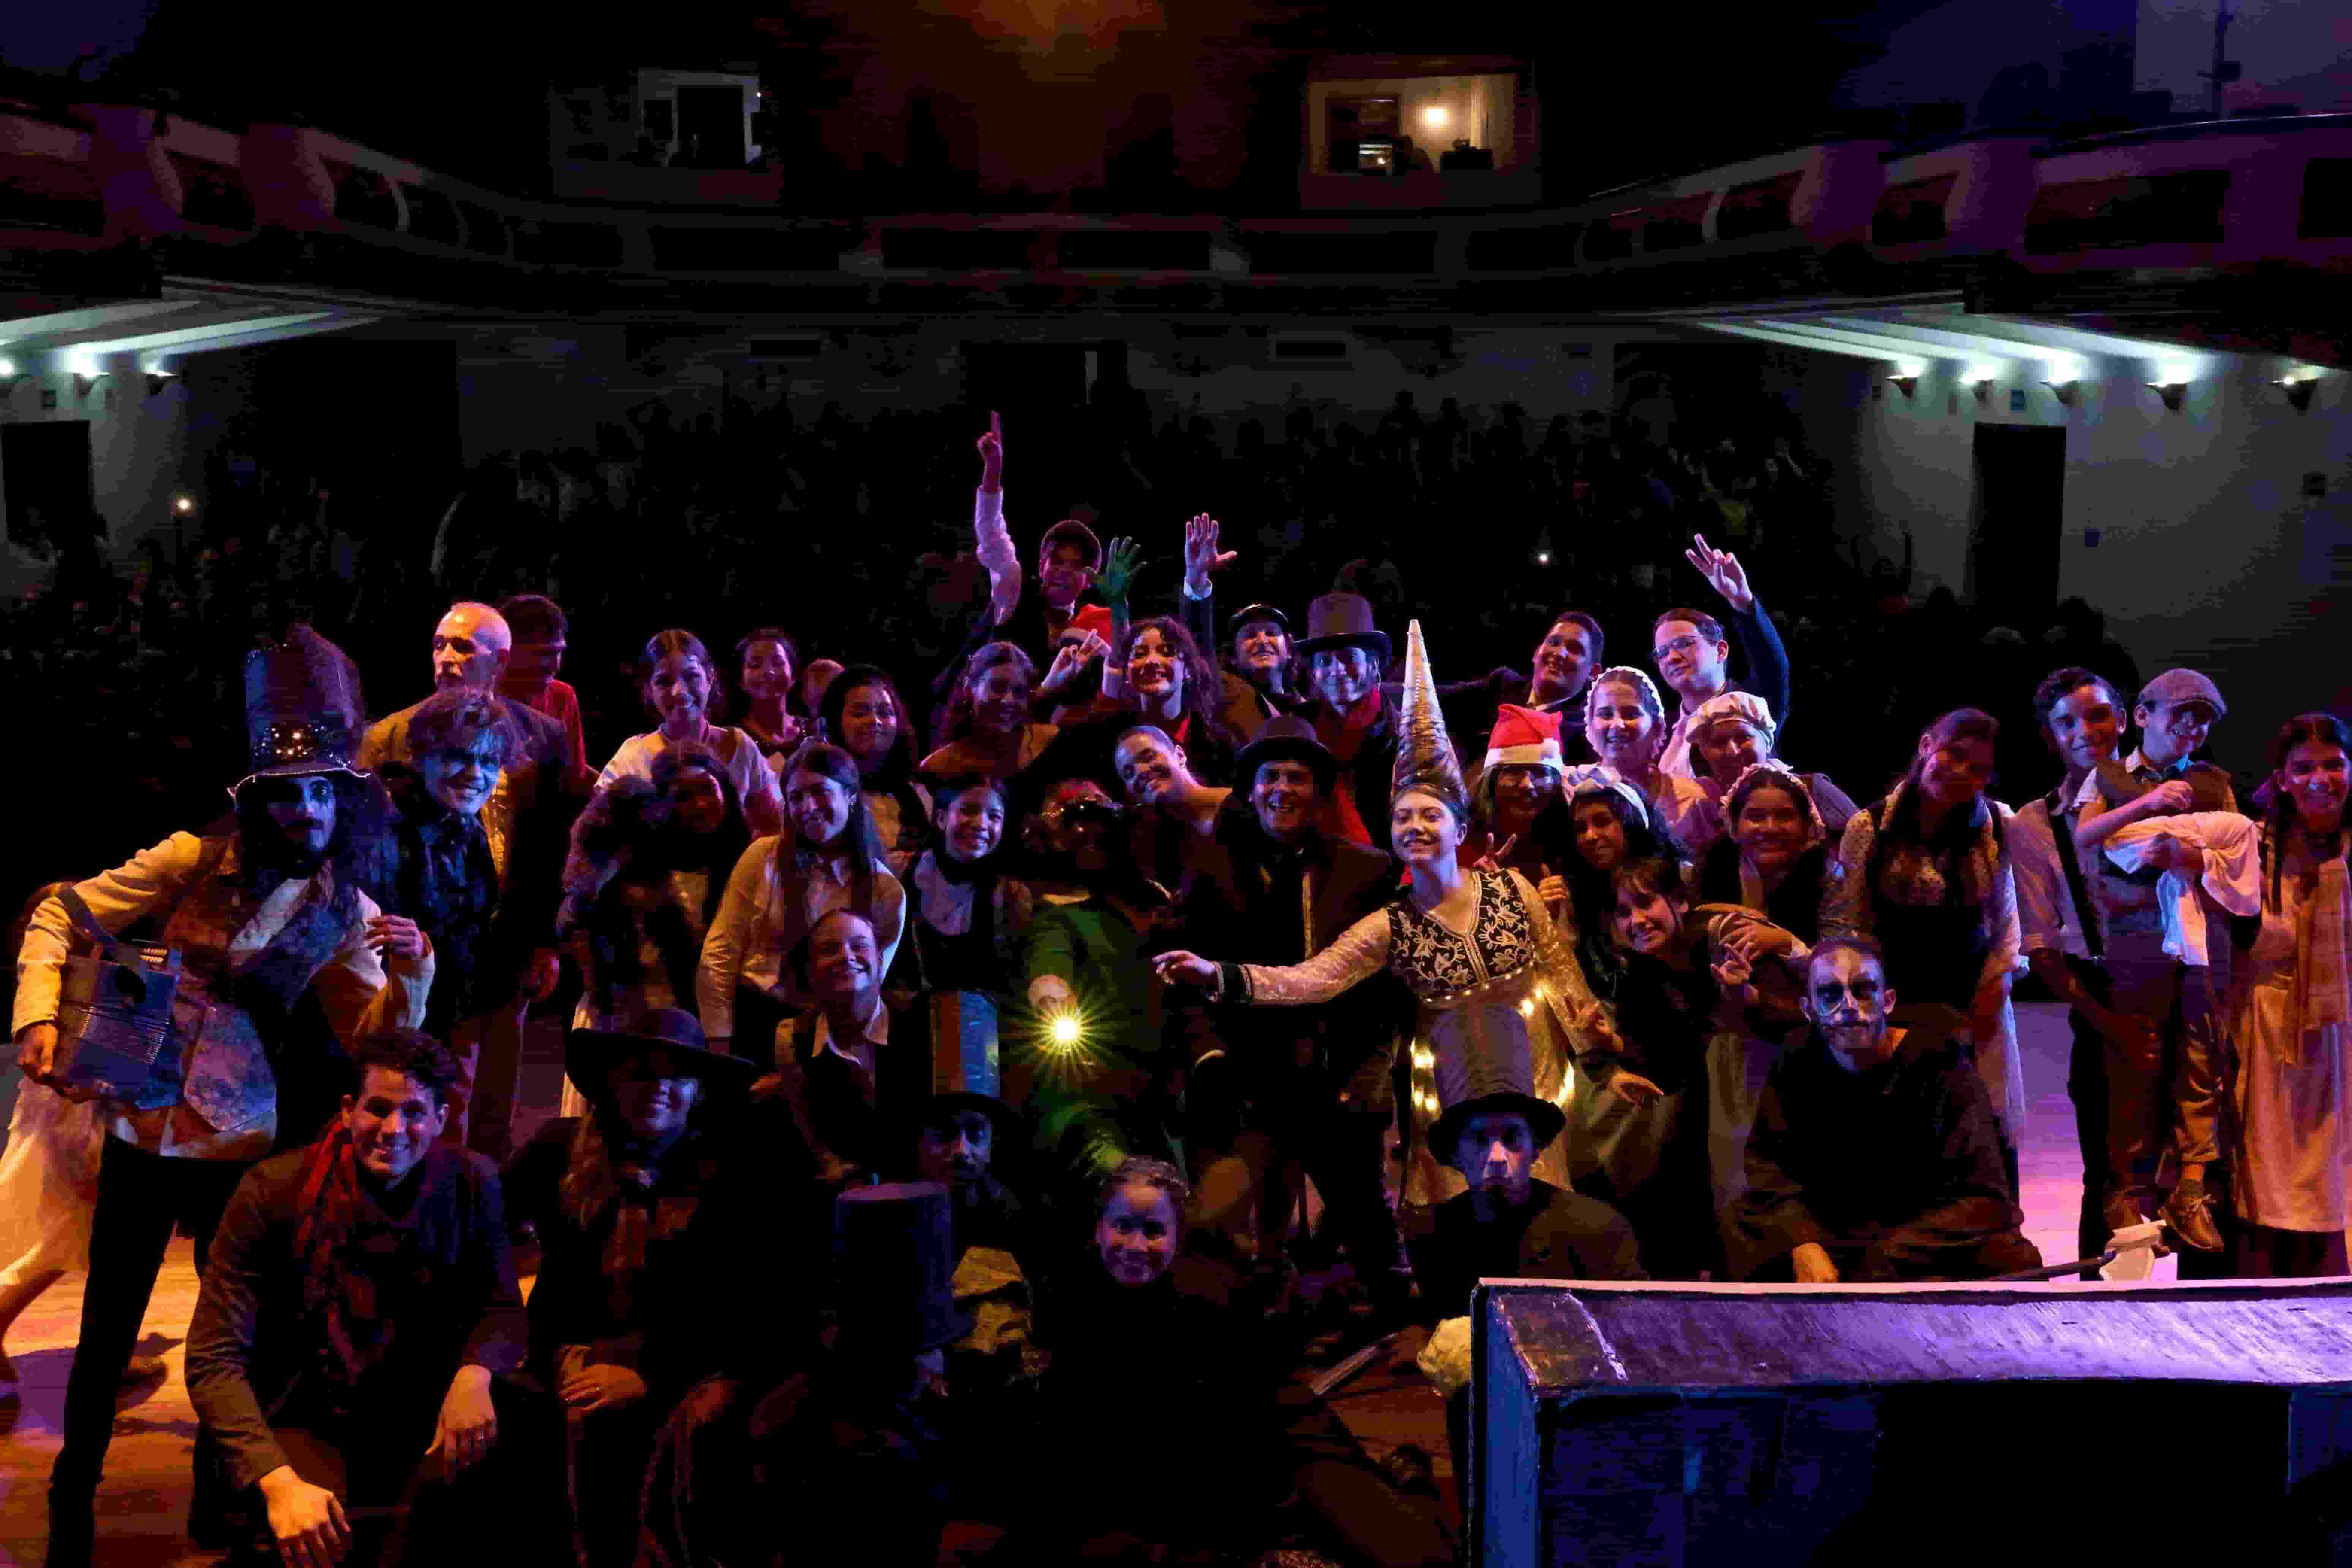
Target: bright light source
<point>82,365</point>
<point>2175,372</point>
<point>183,505</point>
<point>1433,115</point>
<point>1543,557</point>
<point>1066,1030</point>
<point>159,369</point>
<point>7,367</point>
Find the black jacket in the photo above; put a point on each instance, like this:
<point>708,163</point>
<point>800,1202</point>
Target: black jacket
<point>253,1354</point>
<point>1899,1166</point>
<point>1240,904</point>
<point>1555,1235</point>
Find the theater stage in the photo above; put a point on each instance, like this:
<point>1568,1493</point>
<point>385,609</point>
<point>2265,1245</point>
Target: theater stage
<point>142,1506</point>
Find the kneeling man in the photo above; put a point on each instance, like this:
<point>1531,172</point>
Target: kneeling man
<point>1876,1155</point>
<point>359,1301</point>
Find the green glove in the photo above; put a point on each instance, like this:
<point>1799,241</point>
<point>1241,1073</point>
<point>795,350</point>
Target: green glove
<point>1120,563</point>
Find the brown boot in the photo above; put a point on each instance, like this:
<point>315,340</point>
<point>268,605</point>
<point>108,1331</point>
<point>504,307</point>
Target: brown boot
<point>2189,1212</point>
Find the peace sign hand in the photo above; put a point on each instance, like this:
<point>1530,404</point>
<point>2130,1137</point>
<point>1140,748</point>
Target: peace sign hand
<point>1723,572</point>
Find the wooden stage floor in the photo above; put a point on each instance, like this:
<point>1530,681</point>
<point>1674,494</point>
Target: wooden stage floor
<point>142,1506</point>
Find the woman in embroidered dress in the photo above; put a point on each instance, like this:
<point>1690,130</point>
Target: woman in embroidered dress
<point>2293,1018</point>
<point>1476,947</point>
<point>1926,872</point>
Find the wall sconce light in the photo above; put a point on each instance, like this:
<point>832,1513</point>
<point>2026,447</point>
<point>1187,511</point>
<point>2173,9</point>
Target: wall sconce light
<point>9,377</point>
<point>1434,117</point>
<point>2172,391</point>
<point>2298,390</point>
<point>1909,383</point>
<point>158,378</point>
<point>183,505</point>
<point>2064,390</point>
<point>1983,385</point>
<point>84,381</point>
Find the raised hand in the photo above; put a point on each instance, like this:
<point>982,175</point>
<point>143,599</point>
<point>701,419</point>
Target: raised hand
<point>1118,574</point>
<point>991,454</point>
<point>1723,572</point>
<point>1200,553</point>
<point>1072,657</point>
<point>1495,859</point>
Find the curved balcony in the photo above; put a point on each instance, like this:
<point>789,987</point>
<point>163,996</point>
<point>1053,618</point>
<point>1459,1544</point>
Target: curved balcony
<point>280,204</point>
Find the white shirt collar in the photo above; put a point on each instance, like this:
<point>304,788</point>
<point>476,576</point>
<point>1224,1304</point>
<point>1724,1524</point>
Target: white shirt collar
<point>876,1033</point>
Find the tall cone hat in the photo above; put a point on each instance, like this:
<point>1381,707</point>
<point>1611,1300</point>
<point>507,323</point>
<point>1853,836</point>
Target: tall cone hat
<point>1426,759</point>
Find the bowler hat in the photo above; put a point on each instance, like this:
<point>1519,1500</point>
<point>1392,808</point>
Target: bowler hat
<point>1285,736</point>
<point>1342,620</point>
<point>670,1033</point>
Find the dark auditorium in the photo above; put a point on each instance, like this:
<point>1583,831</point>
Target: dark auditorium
<point>1097,858</point>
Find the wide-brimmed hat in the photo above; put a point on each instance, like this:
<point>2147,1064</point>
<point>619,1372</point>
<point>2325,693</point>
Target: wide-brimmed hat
<point>894,1247</point>
<point>1342,620</point>
<point>1285,736</point>
<point>590,1055</point>
<point>302,710</point>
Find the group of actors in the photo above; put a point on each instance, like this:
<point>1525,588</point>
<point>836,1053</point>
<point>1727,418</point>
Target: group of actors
<point>1002,1065</point>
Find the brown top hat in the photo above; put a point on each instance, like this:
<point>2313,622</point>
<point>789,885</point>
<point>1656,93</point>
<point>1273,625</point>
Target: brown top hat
<point>1342,620</point>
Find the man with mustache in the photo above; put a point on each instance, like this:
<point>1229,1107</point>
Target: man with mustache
<point>1305,1091</point>
<point>359,1313</point>
<point>1875,1154</point>
<point>284,961</point>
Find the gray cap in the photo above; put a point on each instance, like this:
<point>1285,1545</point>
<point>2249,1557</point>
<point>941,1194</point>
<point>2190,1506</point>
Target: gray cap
<point>2184,686</point>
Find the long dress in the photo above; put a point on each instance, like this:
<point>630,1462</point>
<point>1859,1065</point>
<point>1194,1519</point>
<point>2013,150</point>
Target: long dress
<point>2295,1138</point>
<point>1510,974</point>
<point>48,1183</point>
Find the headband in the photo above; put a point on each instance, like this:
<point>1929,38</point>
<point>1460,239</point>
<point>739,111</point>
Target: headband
<point>1600,778</point>
<point>1781,770</point>
<point>1627,673</point>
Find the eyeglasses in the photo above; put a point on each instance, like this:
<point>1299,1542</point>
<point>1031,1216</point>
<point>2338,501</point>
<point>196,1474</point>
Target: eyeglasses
<point>1665,651</point>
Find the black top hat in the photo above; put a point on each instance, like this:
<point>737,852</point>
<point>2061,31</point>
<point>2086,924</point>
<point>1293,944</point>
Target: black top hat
<point>1285,735</point>
<point>301,710</point>
<point>1342,620</point>
<point>1545,1120</point>
<point>895,1249</point>
<point>590,1055</point>
<point>1248,612</point>
<point>1491,1070</point>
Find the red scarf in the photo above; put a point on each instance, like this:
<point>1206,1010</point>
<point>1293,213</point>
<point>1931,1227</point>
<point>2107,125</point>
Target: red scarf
<point>325,1215</point>
<point>1343,736</point>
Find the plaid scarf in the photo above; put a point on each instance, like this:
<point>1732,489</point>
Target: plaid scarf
<point>352,1333</point>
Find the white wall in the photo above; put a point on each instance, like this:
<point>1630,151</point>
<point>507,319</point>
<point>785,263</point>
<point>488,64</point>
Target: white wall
<point>2207,553</point>
<point>145,448</point>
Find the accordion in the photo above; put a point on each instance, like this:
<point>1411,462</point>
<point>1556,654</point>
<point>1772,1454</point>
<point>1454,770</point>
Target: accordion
<point>116,1034</point>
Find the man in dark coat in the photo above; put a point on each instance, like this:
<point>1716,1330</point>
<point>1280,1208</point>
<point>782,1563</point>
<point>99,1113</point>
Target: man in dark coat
<point>1875,1154</point>
<point>1270,887</point>
<point>359,1304</point>
<point>1354,719</point>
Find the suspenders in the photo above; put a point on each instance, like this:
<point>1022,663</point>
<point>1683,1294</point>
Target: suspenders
<point>2084,914</point>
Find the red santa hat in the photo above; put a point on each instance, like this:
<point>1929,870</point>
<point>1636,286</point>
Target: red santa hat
<point>1524,737</point>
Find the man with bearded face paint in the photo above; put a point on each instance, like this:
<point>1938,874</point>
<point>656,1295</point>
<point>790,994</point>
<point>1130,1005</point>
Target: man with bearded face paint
<point>285,961</point>
<point>1310,1084</point>
<point>1875,1154</point>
